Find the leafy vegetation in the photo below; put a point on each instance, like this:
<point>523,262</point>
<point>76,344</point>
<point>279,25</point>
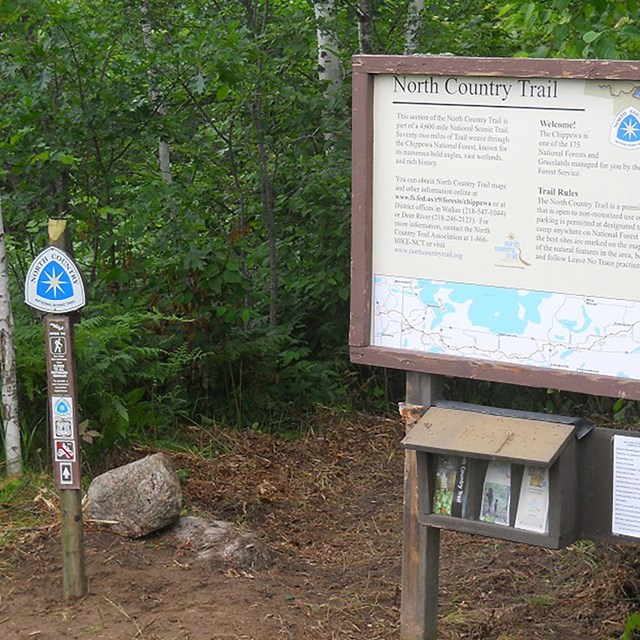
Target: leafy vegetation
<point>218,281</point>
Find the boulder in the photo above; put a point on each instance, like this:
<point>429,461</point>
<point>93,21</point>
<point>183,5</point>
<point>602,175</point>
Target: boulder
<point>216,542</point>
<point>137,498</point>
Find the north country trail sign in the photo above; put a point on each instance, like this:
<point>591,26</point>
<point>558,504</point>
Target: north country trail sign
<point>496,226</point>
<point>53,283</point>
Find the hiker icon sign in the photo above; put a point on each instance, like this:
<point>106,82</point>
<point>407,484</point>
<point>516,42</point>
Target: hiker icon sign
<point>53,283</point>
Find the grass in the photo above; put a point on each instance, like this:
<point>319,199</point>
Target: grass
<point>27,503</point>
<point>540,601</point>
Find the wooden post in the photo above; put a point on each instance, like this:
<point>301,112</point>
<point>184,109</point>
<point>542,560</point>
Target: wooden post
<point>421,544</point>
<point>74,578</point>
<point>62,382</point>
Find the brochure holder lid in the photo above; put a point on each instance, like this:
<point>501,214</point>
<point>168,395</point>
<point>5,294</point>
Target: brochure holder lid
<point>493,437</point>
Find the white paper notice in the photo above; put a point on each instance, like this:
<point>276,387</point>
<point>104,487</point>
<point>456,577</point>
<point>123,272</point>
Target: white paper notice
<point>626,486</point>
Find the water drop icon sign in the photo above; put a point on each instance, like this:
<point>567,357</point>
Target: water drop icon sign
<point>62,408</point>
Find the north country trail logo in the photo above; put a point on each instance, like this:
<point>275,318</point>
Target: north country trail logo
<point>510,254</point>
<point>53,283</point>
<point>625,131</point>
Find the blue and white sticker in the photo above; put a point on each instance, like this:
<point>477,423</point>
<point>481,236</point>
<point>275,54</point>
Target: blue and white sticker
<point>625,131</point>
<point>53,283</point>
<point>62,407</point>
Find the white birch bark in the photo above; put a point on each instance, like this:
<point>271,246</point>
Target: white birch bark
<point>164,158</point>
<point>329,67</point>
<point>414,17</point>
<point>8,373</point>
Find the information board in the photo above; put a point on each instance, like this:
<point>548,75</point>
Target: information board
<point>500,203</point>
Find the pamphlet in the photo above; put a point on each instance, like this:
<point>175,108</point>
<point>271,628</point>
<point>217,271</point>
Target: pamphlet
<point>446,471</point>
<point>459,506</point>
<point>533,504</point>
<point>450,495</point>
<point>496,493</point>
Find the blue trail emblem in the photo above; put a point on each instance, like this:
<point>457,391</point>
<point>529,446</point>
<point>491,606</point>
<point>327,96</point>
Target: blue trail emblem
<point>54,282</point>
<point>625,132</point>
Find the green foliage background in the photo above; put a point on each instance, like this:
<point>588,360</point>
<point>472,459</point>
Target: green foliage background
<point>222,296</point>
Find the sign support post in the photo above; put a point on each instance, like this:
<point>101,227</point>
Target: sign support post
<point>421,544</point>
<point>66,451</point>
<point>54,286</point>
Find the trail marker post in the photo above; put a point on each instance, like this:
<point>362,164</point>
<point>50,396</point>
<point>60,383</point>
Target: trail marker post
<point>54,286</point>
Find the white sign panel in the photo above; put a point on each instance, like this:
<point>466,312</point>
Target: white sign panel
<point>626,486</point>
<point>53,283</point>
<point>506,220</point>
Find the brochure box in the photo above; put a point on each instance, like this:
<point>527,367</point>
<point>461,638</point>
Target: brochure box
<point>499,473</point>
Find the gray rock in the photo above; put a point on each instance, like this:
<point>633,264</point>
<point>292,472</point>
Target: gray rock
<point>217,542</point>
<point>138,498</point>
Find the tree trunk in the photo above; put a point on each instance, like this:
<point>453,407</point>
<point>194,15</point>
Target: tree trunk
<point>268,208</point>
<point>329,68</point>
<point>365,26</point>
<point>164,159</point>
<point>414,18</point>
<point>8,374</point>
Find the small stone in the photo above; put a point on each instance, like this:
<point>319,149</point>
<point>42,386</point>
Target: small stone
<point>219,542</point>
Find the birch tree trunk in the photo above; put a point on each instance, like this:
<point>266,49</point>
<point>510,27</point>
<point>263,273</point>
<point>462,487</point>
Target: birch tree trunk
<point>8,374</point>
<point>164,159</point>
<point>329,67</point>
<point>415,10</point>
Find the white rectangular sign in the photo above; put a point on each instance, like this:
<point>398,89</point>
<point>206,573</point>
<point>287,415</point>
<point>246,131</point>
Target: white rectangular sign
<point>506,220</point>
<point>626,486</point>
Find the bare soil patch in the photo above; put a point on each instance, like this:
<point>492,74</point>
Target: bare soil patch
<point>329,506</point>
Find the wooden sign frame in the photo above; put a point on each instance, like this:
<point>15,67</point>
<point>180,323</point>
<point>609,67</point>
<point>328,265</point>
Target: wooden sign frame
<point>362,348</point>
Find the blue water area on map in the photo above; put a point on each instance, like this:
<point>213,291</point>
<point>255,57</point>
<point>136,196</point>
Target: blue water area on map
<point>572,325</point>
<point>427,293</point>
<point>498,309</point>
<point>559,338</point>
<point>566,354</point>
<point>621,374</point>
<point>435,350</point>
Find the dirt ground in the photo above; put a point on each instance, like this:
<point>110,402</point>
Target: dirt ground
<point>329,507</point>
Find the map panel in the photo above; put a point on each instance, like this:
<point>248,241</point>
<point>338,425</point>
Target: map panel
<point>529,328</point>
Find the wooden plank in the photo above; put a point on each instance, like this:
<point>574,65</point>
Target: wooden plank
<point>496,372</point>
<point>421,544</point>
<point>500,532</point>
<point>361,207</point>
<point>478,435</point>
<point>497,67</point>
